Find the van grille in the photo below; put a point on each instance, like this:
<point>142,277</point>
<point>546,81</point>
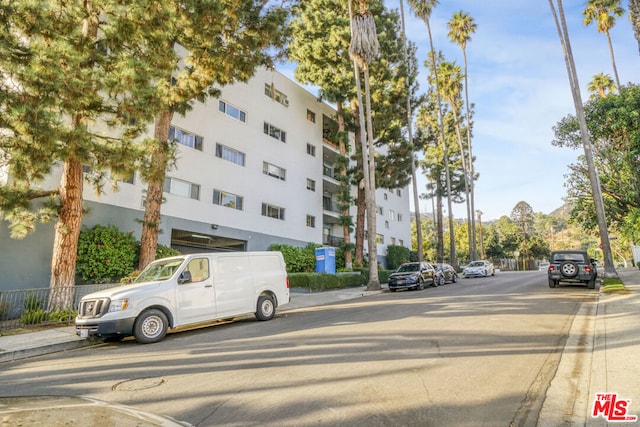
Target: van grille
<point>93,308</point>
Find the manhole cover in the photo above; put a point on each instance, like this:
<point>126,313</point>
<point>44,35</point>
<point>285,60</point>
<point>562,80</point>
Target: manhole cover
<point>139,384</point>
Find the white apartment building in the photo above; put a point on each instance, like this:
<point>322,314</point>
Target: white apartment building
<point>254,168</point>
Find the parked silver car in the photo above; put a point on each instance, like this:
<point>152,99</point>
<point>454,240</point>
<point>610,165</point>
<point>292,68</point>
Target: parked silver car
<point>480,268</point>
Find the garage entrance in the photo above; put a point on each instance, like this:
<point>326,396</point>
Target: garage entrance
<point>188,242</point>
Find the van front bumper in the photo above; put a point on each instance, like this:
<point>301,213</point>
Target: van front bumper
<point>90,328</point>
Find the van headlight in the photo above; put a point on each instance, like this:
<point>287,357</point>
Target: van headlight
<point>118,305</point>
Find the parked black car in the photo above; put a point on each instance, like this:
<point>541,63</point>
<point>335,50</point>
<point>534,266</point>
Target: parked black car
<point>445,273</point>
<point>572,267</point>
<point>412,275</point>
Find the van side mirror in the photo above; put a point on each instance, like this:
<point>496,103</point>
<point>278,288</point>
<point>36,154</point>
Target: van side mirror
<point>185,277</point>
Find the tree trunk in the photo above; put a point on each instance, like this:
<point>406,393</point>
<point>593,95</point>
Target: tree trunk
<point>155,186</point>
<point>360,198</point>
<point>344,187</point>
<point>440,225</point>
<point>67,231</point>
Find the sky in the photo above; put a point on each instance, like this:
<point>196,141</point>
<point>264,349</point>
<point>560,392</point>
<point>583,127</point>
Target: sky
<point>519,84</point>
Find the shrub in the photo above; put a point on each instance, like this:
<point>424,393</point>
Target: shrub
<point>62,315</point>
<point>298,260</point>
<point>397,255</point>
<point>33,317</point>
<point>33,310</point>
<point>33,303</point>
<point>105,254</point>
<point>324,281</point>
<point>163,251</point>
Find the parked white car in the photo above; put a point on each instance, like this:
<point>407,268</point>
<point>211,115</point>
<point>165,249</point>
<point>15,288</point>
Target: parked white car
<point>479,268</point>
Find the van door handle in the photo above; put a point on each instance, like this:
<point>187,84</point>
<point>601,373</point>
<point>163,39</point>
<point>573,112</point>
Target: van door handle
<point>208,286</point>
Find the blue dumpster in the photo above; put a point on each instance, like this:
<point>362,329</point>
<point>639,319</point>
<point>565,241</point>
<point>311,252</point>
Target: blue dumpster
<point>326,260</point>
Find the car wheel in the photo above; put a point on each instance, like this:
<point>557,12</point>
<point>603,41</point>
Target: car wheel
<point>266,308</point>
<point>454,278</point>
<point>569,268</point>
<point>441,280</point>
<point>392,289</point>
<point>552,283</point>
<point>592,283</point>
<point>150,327</point>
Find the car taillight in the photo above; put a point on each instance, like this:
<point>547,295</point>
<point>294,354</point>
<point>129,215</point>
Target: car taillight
<point>287,282</point>
<point>551,268</point>
<point>587,269</point>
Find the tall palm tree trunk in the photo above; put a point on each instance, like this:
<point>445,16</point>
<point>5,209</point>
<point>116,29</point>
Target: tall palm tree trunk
<point>414,181</point>
<point>563,33</point>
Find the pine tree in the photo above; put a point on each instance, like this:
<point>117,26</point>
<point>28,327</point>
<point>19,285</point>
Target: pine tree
<point>75,93</point>
<point>220,43</point>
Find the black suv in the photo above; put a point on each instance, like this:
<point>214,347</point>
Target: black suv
<point>573,267</point>
<point>412,275</point>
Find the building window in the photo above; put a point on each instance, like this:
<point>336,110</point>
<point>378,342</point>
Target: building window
<point>379,210</point>
<point>185,138</point>
<point>128,178</point>
<point>272,211</point>
<point>275,132</point>
<point>273,93</point>
<point>232,111</point>
<point>229,154</point>
<point>385,196</point>
<point>392,214</point>
<point>380,239</point>
<point>398,193</point>
<point>311,149</point>
<point>311,116</point>
<point>392,241</point>
<point>386,225</point>
<point>226,199</point>
<point>399,217</point>
<point>181,188</point>
<point>401,242</point>
<point>273,170</point>
<point>311,184</point>
<point>311,221</point>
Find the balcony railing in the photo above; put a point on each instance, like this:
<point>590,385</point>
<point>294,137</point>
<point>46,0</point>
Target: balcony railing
<point>332,241</point>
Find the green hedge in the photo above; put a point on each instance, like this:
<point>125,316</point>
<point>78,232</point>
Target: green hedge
<point>324,281</point>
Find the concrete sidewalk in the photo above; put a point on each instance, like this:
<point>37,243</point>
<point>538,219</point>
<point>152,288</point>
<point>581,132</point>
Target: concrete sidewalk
<point>601,357</point>
<point>21,346</point>
<point>601,354</point>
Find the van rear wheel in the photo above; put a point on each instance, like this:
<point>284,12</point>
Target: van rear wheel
<point>266,308</point>
<point>150,327</point>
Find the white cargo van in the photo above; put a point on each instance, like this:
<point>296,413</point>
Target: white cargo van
<point>185,290</point>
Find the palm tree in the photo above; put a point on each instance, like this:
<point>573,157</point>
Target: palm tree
<point>364,49</point>
<point>461,26</point>
<point>601,85</point>
<point>604,13</point>
<point>563,34</point>
<point>416,202</point>
<point>450,77</point>
<point>634,17</point>
<point>423,9</point>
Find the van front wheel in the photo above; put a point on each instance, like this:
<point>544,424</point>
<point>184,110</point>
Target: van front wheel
<point>266,309</point>
<point>150,327</point>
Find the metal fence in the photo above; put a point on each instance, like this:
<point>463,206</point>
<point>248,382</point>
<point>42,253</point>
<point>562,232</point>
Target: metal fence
<point>28,307</point>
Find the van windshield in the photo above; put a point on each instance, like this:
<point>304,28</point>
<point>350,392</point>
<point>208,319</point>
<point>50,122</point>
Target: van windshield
<point>159,270</point>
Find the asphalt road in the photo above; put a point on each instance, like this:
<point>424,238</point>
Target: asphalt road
<point>480,352</point>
